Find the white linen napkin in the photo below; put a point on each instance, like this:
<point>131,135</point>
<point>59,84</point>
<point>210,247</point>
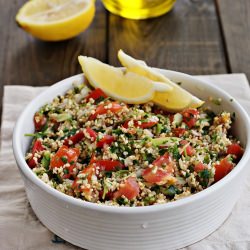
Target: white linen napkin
<point>19,227</point>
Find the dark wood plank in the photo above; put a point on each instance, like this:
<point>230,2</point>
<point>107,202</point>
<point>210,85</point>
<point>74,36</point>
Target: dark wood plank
<point>29,61</point>
<point>235,22</point>
<point>25,60</point>
<point>187,39</point>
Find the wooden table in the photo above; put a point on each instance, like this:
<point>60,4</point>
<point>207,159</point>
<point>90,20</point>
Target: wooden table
<point>197,37</point>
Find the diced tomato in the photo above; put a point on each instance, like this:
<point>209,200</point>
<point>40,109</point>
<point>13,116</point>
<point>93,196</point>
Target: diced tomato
<point>125,124</point>
<point>188,150</point>
<point>199,167</point>
<point>183,142</point>
<point>130,189</point>
<point>190,117</point>
<point>131,130</point>
<point>96,94</point>
<point>89,171</point>
<point>171,118</point>
<point>138,124</point>
<point>91,133</point>
<point>70,171</point>
<point>148,124</point>
<point>235,149</point>
<point>158,176</point>
<point>157,110</point>
<point>223,168</point>
<point>106,139</point>
<point>31,162</point>
<point>100,110</point>
<point>109,195</point>
<point>108,165</point>
<point>77,137</point>
<point>178,131</point>
<point>164,160</point>
<point>92,159</point>
<point>163,167</point>
<point>37,147</point>
<point>81,188</point>
<point>40,121</point>
<point>64,155</point>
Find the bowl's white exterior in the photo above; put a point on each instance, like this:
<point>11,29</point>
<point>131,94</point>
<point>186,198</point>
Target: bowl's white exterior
<point>167,226</point>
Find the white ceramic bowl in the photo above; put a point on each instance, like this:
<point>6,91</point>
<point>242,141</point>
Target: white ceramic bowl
<point>167,226</point>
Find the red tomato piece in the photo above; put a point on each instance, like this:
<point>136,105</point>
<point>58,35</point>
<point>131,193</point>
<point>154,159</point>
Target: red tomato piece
<point>190,117</point>
<point>164,160</point>
<point>100,110</point>
<point>148,124</point>
<point>157,110</point>
<point>64,155</point>
<point>188,150</point>
<point>109,195</point>
<point>70,172</point>
<point>125,124</point>
<point>31,162</point>
<point>235,149</point>
<point>178,131</point>
<point>171,118</point>
<point>199,167</point>
<point>106,139</point>
<point>96,94</point>
<point>40,121</point>
<point>81,188</point>
<point>131,131</point>
<point>108,165</point>
<point>223,168</point>
<point>91,133</point>
<point>130,189</point>
<point>164,166</point>
<point>89,172</point>
<point>143,125</point>
<point>37,147</point>
<point>158,176</point>
<point>183,142</point>
<point>77,137</point>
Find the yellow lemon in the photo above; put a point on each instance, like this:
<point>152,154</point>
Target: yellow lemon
<point>128,87</point>
<point>56,20</point>
<point>175,100</point>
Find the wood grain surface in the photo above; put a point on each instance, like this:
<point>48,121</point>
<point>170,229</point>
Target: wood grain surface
<point>187,39</point>
<point>235,23</point>
<point>25,60</point>
<point>196,37</point>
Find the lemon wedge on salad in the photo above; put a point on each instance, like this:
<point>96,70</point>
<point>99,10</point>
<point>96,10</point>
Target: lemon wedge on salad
<point>175,100</point>
<point>129,87</point>
<point>56,20</point>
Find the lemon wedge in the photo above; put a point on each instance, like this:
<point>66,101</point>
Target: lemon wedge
<point>123,86</point>
<point>175,100</point>
<point>55,20</point>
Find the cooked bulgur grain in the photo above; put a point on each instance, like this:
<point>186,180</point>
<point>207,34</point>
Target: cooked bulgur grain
<point>99,150</point>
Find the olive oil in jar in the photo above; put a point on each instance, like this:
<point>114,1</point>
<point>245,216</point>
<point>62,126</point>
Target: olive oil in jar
<point>139,9</point>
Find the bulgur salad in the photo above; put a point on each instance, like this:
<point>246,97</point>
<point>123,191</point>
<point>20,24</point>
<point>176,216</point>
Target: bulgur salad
<point>91,147</point>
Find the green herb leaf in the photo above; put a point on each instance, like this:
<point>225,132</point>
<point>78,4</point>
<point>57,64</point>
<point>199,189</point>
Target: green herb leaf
<point>64,159</point>
<point>46,160</point>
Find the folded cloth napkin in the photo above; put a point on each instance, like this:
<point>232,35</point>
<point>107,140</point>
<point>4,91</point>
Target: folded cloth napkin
<point>19,227</point>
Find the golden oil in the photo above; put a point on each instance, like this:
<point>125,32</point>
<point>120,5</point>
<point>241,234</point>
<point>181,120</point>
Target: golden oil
<point>139,9</point>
